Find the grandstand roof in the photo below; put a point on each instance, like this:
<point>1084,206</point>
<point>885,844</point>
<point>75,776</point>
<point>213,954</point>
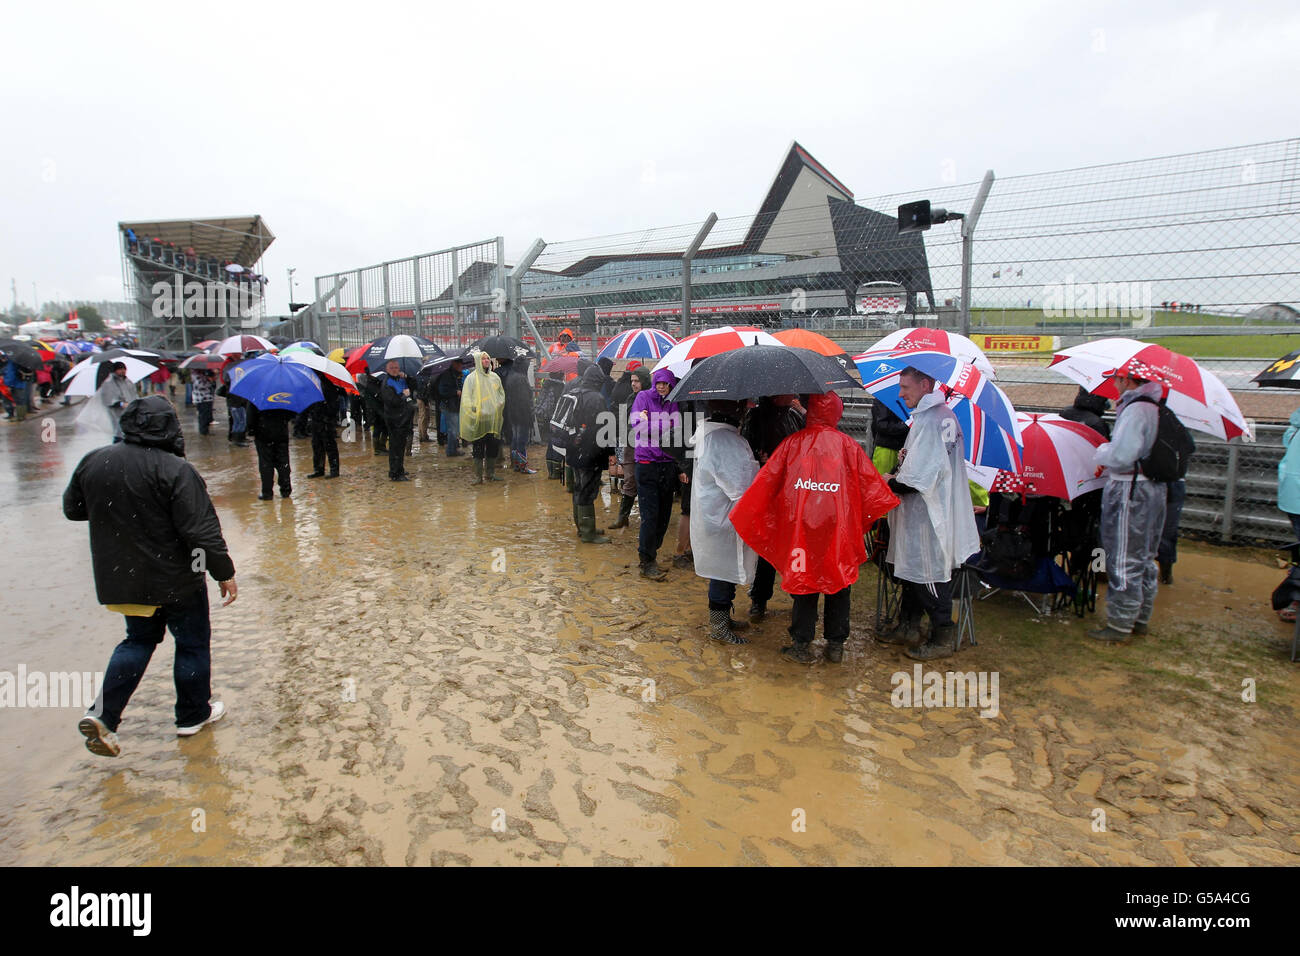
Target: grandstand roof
<point>241,239</point>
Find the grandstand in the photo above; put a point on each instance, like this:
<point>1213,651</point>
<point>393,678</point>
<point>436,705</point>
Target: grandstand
<point>194,279</point>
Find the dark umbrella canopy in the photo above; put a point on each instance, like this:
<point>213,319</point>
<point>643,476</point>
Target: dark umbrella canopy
<point>409,351</point>
<point>21,354</point>
<point>758,370</point>
<point>1284,373</point>
<point>435,367</point>
<point>502,347</point>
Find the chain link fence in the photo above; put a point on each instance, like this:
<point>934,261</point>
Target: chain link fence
<point>453,297</point>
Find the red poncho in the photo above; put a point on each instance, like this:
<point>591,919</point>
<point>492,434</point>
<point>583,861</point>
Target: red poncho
<point>809,508</point>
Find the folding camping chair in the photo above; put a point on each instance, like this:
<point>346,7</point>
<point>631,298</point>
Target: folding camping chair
<point>889,590</point>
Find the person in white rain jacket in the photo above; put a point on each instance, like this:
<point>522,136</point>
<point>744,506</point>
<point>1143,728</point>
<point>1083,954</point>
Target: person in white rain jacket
<point>724,468</point>
<point>933,530</point>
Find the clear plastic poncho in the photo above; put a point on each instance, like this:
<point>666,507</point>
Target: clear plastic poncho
<point>933,531</point>
<point>482,401</point>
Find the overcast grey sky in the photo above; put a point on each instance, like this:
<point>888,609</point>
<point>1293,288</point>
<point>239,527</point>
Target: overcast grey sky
<point>364,132</point>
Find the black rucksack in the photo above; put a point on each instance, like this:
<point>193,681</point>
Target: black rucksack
<point>1172,449</point>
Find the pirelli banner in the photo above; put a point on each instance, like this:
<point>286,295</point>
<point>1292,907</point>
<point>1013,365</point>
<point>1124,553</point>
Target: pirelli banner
<point>1018,343</point>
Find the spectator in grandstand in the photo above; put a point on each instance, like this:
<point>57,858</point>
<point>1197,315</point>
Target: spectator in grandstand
<point>932,532</point>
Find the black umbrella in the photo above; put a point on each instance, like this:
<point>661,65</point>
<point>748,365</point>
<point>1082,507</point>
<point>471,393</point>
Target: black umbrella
<point>435,367</point>
<point>116,355</point>
<point>757,370</point>
<point>1284,373</point>
<point>409,351</point>
<point>22,354</point>
<point>502,347</point>
<point>162,354</point>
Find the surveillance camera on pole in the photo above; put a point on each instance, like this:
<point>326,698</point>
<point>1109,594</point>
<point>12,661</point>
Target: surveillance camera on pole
<point>918,217</point>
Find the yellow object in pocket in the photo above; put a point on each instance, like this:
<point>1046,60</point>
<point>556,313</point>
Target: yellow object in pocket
<point>134,610</point>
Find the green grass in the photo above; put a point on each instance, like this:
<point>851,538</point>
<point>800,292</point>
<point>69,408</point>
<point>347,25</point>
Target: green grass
<point>1230,346</point>
<point>1026,318</point>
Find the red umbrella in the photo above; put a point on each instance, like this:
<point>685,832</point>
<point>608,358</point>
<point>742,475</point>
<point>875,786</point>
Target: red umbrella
<point>1056,461</point>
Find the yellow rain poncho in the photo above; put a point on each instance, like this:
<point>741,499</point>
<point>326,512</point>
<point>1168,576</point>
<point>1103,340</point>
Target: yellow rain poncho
<point>482,401</point>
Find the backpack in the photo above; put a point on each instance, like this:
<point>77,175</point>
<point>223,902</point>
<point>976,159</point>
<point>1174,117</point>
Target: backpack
<point>564,418</point>
<point>1172,449</point>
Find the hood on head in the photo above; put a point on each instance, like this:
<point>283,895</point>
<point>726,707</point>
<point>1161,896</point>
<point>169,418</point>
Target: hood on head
<point>606,364</point>
<point>824,410</point>
<point>664,375</point>
<point>594,377</point>
<point>1086,401</point>
<point>643,375</point>
<point>152,421</point>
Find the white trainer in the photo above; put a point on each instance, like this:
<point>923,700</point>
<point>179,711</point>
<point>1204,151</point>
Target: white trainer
<point>218,711</point>
<point>99,739</point>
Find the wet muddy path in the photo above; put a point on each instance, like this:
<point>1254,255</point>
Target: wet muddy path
<point>523,698</point>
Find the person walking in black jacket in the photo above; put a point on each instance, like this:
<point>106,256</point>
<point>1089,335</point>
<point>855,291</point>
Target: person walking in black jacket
<point>586,454</point>
<point>153,534</point>
<point>323,421</point>
<point>398,402</point>
<point>519,415</point>
<point>270,431</point>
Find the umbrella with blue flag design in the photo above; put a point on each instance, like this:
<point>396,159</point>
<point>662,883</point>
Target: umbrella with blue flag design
<point>270,381</point>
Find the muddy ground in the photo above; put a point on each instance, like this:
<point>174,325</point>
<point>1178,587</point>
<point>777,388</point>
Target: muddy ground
<point>523,698</point>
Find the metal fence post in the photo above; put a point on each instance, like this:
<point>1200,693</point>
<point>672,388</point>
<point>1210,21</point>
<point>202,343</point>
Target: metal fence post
<point>515,294</point>
<point>687,256</point>
<point>1230,492</point>
<point>504,323</point>
<point>968,225</point>
<point>455,296</point>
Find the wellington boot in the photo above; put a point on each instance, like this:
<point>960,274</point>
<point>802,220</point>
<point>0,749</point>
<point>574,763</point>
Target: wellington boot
<point>491,470</point>
<point>651,570</point>
<point>799,653</point>
<point>939,645</point>
<point>577,517</point>
<point>720,627</point>
<point>587,529</point>
<point>624,512</point>
<point>905,632</point>
<point>478,472</point>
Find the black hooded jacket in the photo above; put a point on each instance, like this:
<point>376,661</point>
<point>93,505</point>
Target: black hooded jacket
<point>887,429</point>
<point>1087,410</point>
<point>519,394</point>
<point>152,523</point>
<point>590,453</point>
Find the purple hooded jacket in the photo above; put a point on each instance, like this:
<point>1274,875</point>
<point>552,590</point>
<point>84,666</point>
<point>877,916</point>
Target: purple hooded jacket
<point>663,424</point>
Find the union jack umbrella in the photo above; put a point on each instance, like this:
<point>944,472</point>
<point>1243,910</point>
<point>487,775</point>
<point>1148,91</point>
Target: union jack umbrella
<point>679,358</point>
<point>987,416</point>
<point>1197,396</point>
<point>935,340</point>
<point>1057,460</point>
<point>638,344</point>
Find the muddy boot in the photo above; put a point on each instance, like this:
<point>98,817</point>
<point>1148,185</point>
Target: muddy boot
<point>491,470</point>
<point>652,571</point>
<point>939,645</point>
<point>588,530</point>
<point>720,627</point>
<point>799,653</point>
<point>478,472</point>
<point>577,517</point>
<point>757,610</point>
<point>834,651</point>
<point>1166,572</point>
<point>905,632</point>
<point>552,469</point>
<point>624,512</point>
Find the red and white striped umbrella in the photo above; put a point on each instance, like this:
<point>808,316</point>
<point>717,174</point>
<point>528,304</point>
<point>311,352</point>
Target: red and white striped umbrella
<point>678,359</point>
<point>1056,460</point>
<point>935,340</point>
<point>239,344</point>
<point>1196,395</point>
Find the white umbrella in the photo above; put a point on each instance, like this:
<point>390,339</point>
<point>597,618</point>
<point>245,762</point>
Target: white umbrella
<point>936,340</point>
<point>234,267</point>
<point>317,363</point>
<point>83,375</point>
<point>239,344</point>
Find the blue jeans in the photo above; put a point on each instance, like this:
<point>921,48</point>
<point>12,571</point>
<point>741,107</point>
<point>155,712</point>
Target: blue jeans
<point>238,420</point>
<point>1176,495</point>
<point>721,594</point>
<point>192,671</point>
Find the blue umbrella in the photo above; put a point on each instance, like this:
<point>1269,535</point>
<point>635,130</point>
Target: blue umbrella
<point>986,443</point>
<point>269,381</point>
<point>880,378</point>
